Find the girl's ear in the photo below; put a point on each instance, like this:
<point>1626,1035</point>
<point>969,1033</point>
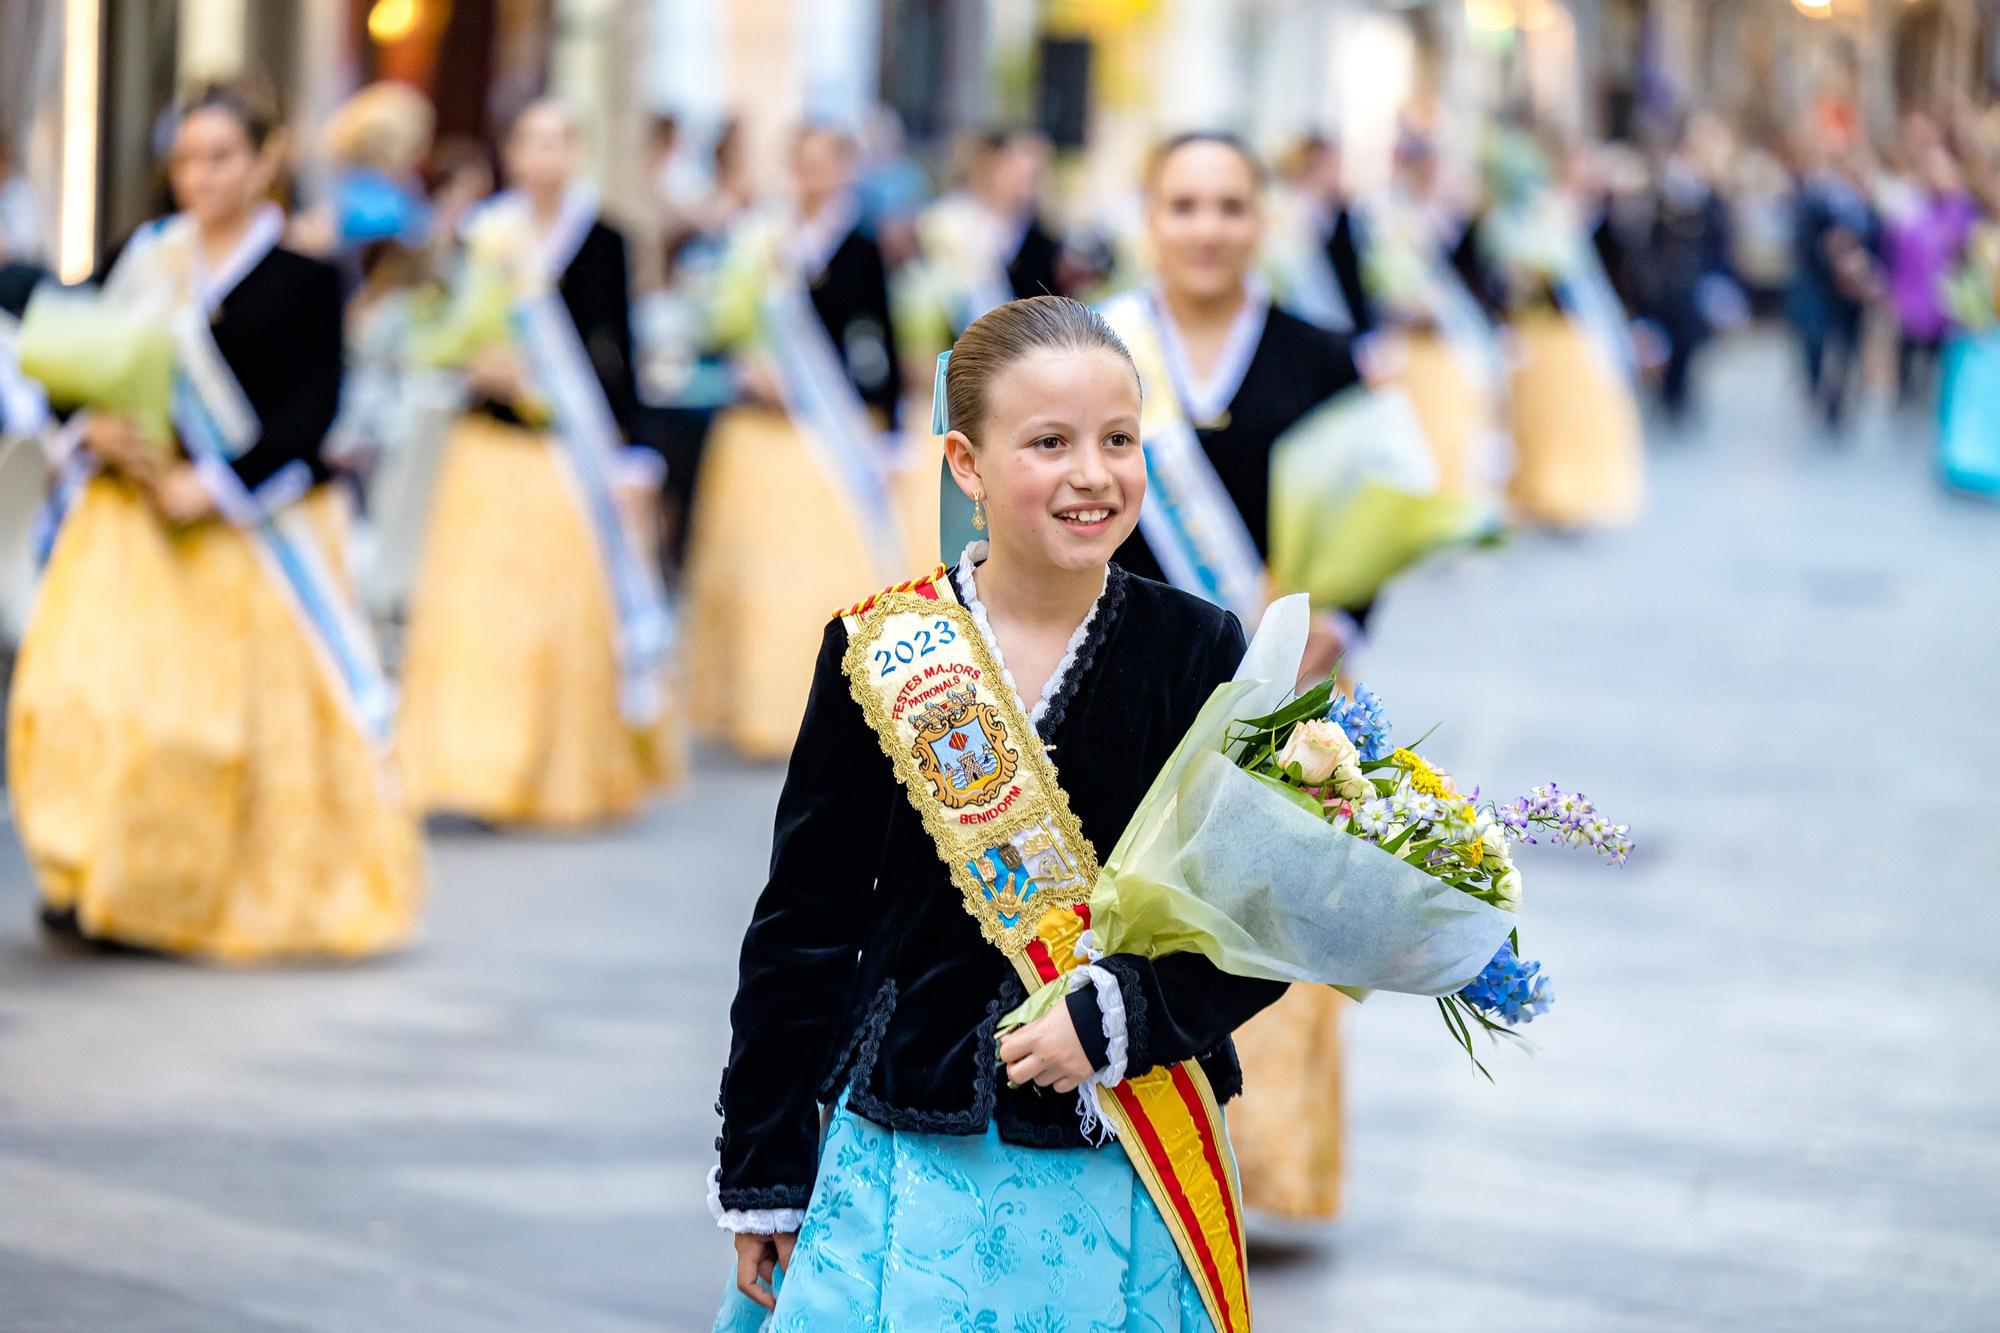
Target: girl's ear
<point>964,464</point>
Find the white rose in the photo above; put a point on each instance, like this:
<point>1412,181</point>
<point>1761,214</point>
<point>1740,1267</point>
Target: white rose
<point>1493,842</point>
<point>1507,891</point>
<point>1317,747</point>
<point>1350,784</point>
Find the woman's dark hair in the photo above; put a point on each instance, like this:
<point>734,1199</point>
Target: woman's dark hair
<point>245,104</point>
<point>1259,175</point>
<point>1005,334</point>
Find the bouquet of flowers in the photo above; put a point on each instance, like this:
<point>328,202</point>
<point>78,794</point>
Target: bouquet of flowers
<point>1330,752</point>
<point>1972,290</point>
<point>90,350</point>
<point>1355,499</point>
<point>1287,839</point>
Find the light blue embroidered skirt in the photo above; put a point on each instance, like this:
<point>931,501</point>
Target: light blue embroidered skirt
<point>914,1233</point>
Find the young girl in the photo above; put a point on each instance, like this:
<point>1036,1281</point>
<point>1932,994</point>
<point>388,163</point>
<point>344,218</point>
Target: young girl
<point>534,678</point>
<point>197,724</point>
<point>928,860</point>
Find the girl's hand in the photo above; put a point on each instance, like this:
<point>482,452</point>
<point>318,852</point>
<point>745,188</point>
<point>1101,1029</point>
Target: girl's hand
<point>181,496</point>
<point>1046,1052</point>
<point>755,1258</point>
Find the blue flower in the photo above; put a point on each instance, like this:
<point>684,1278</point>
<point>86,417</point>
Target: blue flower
<point>1509,989</point>
<point>1365,720</point>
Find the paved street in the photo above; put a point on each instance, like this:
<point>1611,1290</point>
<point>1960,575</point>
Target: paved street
<point>1767,1098</point>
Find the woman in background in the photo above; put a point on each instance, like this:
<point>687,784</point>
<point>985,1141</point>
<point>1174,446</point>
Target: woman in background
<point>804,494</point>
<point>197,727</point>
<point>535,675</point>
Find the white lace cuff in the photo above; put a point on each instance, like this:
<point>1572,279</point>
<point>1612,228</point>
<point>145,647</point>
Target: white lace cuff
<point>1111,1011</point>
<point>750,1221</point>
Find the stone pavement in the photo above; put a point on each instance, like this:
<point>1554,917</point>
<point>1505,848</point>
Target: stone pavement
<point>1767,1098</point>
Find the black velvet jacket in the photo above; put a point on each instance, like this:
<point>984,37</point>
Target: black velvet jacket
<point>280,331</point>
<point>595,290</point>
<point>863,973</point>
<point>851,297</point>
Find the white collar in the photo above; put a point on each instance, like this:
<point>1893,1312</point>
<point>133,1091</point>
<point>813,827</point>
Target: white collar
<point>262,237</point>
<point>1205,403</point>
<point>815,239</point>
<point>555,249</point>
<point>968,565</point>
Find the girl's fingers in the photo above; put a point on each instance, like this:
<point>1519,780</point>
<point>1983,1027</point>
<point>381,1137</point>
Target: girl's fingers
<point>746,1279</point>
<point>1023,1071</point>
<point>1068,1084</point>
<point>1015,1045</point>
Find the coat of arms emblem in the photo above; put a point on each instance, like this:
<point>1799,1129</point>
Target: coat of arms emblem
<point>962,749</point>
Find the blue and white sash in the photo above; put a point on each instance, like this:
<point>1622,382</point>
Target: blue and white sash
<point>217,426</point>
<point>592,444</point>
<point>830,415</point>
<point>1189,520</point>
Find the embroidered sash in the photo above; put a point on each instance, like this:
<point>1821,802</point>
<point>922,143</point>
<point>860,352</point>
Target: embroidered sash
<point>590,437</point>
<point>838,430</point>
<point>216,426</point>
<point>1189,520</point>
<point>987,793</point>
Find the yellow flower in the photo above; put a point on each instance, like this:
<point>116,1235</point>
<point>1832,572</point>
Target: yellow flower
<point>1423,776</point>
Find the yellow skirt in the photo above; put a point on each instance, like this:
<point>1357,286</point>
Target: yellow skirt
<point>1287,1126</point>
<point>510,668</point>
<point>183,770</point>
<point>1576,430</point>
<point>1457,414</point>
<point>773,552</point>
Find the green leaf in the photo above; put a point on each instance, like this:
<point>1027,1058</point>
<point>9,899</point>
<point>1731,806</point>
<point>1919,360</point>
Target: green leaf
<point>1313,703</point>
<point>1303,800</point>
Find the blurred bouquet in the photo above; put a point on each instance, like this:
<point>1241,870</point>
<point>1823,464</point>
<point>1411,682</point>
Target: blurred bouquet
<point>90,350</point>
<point>1287,839</point>
<point>1356,499</point>
<point>493,274</point>
<point>1972,290</point>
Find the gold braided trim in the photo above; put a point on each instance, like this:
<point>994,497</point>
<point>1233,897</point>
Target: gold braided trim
<point>867,604</point>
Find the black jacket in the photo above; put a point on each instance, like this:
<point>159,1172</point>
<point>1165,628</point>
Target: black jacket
<point>851,296</point>
<point>280,331</point>
<point>863,973</point>
<point>596,291</point>
<point>1032,270</point>
<point>1297,366</point>
<point>1343,254</point>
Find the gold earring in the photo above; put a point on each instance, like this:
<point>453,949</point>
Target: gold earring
<point>979,513</point>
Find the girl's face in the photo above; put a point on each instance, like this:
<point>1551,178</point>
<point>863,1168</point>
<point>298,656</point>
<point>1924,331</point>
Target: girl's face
<point>541,152</point>
<point>1059,460</point>
<point>1203,219</point>
<point>215,171</point>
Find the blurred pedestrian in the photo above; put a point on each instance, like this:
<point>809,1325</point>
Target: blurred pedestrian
<point>536,687</point>
<point>1921,245</point>
<point>197,727</point>
<point>1571,402</point>
<point>1687,289</point>
<point>20,211</point>
<point>802,492</point>
<point>1834,276</point>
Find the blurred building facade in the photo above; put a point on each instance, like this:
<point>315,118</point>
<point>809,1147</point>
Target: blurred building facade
<point>85,84</point>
